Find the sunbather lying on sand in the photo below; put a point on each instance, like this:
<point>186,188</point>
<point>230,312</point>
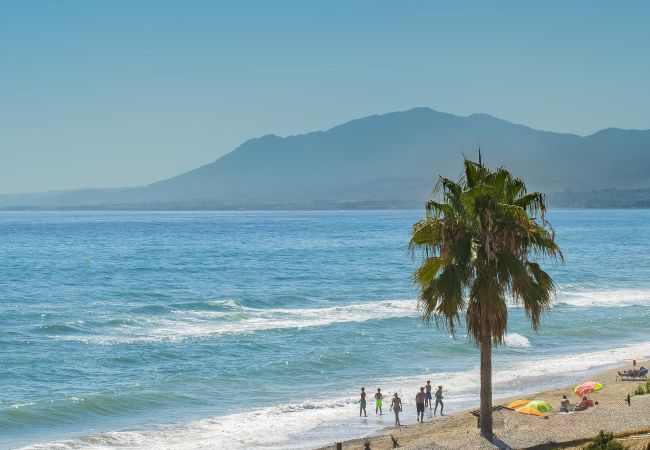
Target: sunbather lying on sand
<point>584,404</point>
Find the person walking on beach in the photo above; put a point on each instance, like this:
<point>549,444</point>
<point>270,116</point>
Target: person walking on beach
<point>378,401</point>
<point>362,403</point>
<point>396,406</point>
<point>438,401</point>
<point>427,389</point>
<point>420,397</point>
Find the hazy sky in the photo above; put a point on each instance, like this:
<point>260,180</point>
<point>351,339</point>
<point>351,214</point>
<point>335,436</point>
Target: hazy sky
<point>101,93</point>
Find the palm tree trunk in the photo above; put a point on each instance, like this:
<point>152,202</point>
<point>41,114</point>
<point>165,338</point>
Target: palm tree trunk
<point>486,387</point>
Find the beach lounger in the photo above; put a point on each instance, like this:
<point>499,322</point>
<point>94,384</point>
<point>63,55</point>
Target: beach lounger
<point>624,377</point>
<point>640,376</point>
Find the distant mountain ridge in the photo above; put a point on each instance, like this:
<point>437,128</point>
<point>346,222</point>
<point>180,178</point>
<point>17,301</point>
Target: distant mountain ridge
<point>388,161</point>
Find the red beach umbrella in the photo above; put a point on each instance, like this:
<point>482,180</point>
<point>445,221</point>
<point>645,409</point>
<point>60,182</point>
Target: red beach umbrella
<point>587,387</point>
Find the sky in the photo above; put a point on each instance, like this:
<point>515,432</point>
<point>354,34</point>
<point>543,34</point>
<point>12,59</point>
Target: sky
<point>108,93</point>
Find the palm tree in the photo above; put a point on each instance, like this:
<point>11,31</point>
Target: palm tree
<point>479,246</point>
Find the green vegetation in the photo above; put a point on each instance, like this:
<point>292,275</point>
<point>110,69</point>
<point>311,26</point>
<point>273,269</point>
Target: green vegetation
<point>643,389</point>
<point>605,441</point>
<point>478,246</point>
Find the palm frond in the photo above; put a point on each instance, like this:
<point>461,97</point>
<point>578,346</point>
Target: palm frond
<point>533,203</point>
<point>427,271</point>
<point>442,299</point>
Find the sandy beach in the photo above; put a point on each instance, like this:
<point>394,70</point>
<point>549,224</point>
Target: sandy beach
<point>519,431</point>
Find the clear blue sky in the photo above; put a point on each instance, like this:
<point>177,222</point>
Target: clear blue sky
<point>101,93</point>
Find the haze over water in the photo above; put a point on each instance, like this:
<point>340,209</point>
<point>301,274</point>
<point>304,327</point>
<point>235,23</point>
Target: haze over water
<point>256,329</point>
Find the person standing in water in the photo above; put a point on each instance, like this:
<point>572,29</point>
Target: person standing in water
<point>378,401</point>
<point>419,404</point>
<point>362,403</point>
<point>396,406</point>
<point>427,390</point>
<point>438,401</point>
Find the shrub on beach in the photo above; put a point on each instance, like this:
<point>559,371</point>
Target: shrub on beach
<point>643,389</point>
<point>605,441</point>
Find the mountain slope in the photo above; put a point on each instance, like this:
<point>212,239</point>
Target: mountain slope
<point>384,160</point>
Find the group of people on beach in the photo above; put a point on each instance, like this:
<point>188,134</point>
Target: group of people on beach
<point>423,399</point>
<point>566,406</point>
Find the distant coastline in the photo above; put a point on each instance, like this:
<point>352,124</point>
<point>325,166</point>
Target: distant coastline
<point>389,161</point>
<point>592,204</point>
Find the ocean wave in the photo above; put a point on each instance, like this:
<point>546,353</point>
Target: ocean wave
<point>151,310</point>
<point>68,328</point>
<point>56,328</point>
<point>273,427</point>
<point>196,320</point>
<point>604,297</point>
<point>515,340</point>
<point>245,320</point>
<point>21,405</point>
<point>121,322</point>
<point>210,305</point>
<point>69,409</point>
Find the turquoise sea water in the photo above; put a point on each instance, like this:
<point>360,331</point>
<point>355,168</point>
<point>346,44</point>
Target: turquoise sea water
<point>255,330</point>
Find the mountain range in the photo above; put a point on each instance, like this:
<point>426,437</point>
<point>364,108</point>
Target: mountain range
<point>387,161</point>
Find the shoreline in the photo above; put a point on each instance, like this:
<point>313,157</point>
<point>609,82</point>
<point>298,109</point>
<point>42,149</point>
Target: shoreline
<point>459,429</point>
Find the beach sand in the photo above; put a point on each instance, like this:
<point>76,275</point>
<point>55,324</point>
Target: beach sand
<point>514,430</point>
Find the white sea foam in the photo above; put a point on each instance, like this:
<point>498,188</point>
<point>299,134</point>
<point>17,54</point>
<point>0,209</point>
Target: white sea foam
<point>515,340</point>
<point>22,405</point>
<point>264,428</point>
<point>311,423</point>
<point>237,319</point>
<point>605,297</point>
<point>243,320</point>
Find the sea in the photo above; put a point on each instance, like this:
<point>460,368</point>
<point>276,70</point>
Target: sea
<point>256,330</point>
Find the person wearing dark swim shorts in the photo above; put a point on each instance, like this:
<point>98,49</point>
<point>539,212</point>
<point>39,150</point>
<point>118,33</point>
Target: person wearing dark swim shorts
<point>420,397</point>
<point>362,403</point>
